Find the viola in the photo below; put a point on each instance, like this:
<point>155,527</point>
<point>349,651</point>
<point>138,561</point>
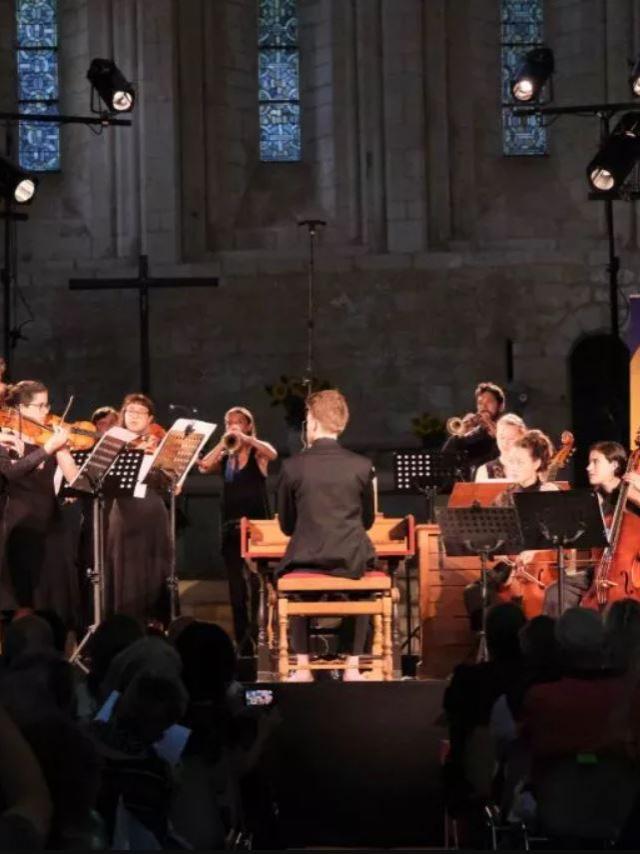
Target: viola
<point>149,441</point>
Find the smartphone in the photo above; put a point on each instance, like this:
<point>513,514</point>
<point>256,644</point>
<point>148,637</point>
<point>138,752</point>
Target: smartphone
<point>258,697</point>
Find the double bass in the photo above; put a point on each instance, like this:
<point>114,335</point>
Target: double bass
<point>617,573</point>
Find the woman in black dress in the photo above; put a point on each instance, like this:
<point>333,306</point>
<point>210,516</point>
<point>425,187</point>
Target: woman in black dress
<point>244,475</point>
<point>38,569</point>
<point>138,560</point>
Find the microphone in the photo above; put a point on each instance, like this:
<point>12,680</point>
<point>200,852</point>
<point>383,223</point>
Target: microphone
<point>180,407</point>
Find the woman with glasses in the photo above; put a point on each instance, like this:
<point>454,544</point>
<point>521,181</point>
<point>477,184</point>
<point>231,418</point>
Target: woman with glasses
<point>138,559</point>
<point>38,568</point>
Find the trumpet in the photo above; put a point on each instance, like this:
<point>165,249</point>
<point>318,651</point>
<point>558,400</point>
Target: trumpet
<point>231,442</point>
<point>463,426</point>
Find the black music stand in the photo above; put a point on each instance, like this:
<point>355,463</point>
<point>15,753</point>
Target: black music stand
<point>172,462</point>
<point>97,478</point>
<point>427,473</point>
<point>482,531</point>
<point>560,520</point>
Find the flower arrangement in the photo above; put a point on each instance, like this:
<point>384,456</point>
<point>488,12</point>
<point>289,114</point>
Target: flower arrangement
<point>429,428</point>
<point>291,393</point>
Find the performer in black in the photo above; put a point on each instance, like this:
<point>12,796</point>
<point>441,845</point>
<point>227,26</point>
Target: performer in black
<point>138,552</point>
<point>38,568</point>
<point>326,504</point>
<point>509,429</point>
<point>606,469</point>
<point>477,430</point>
<point>528,462</point>
<point>242,459</point>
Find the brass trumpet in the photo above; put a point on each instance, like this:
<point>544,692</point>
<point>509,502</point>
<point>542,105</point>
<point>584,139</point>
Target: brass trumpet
<point>463,426</point>
<point>231,443</point>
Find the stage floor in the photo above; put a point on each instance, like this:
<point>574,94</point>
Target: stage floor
<point>357,764</point>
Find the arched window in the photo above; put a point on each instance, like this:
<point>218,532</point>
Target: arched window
<point>279,80</point>
<point>521,29</point>
<point>37,76</point>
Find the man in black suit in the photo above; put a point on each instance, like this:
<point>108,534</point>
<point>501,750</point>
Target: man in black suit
<point>326,505</point>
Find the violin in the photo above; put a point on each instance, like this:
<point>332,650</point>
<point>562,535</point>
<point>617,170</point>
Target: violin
<point>149,441</point>
<point>82,434</point>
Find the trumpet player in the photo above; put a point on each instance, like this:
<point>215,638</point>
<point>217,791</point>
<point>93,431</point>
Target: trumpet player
<point>243,460</point>
<point>476,432</point>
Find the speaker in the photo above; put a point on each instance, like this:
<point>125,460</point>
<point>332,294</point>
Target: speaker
<point>357,764</point>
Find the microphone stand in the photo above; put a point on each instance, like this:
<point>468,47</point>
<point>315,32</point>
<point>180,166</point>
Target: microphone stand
<point>312,226</point>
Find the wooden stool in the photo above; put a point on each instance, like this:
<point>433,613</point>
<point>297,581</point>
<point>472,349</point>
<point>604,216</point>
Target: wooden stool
<point>379,607</point>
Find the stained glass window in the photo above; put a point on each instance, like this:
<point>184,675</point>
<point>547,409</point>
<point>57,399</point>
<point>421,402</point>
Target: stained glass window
<point>279,80</point>
<point>37,74</point>
<point>521,30</point>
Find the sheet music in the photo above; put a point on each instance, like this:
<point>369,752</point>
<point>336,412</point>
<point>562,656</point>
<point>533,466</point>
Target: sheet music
<point>178,451</point>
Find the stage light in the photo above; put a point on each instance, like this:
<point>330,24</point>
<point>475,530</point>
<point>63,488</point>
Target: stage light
<point>532,73</point>
<point>634,79</point>
<point>15,183</point>
<point>111,85</point>
<point>617,156</point>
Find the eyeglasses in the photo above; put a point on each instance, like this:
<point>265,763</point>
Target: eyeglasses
<point>129,411</point>
<point>39,405</point>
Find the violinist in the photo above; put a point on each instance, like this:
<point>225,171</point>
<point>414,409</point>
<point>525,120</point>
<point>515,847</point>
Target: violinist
<point>242,459</point>
<point>104,418</point>
<point>527,462</point>
<point>476,432</point>
<point>38,571</point>
<point>509,429</point>
<point>138,553</point>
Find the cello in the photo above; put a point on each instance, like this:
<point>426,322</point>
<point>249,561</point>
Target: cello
<point>528,581</point>
<point>617,573</point>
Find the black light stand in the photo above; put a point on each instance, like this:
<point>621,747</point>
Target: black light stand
<point>604,112</point>
<point>9,275</point>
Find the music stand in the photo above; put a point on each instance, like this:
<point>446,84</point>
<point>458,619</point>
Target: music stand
<point>560,520</point>
<point>483,531</point>
<point>425,472</point>
<point>96,479</point>
<point>170,466</point>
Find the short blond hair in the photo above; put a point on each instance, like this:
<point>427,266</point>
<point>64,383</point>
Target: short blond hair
<point>330,409</point>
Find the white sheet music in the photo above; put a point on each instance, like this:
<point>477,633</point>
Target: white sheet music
<point>180,430</point>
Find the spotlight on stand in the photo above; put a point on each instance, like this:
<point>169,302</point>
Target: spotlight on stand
<point>111,85</point>
<point>634,78</point>
<point>15,183</point>
<point>617,156</point>
<point>532,73</point>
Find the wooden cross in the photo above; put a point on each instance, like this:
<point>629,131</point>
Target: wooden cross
<point>143,283</point>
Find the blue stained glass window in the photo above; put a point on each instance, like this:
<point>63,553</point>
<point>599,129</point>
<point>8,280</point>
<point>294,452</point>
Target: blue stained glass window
<point>521,30</point>
<point>279,80</point>
<point>38,88</point>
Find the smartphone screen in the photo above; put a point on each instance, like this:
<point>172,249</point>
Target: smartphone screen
<point>258,697</point>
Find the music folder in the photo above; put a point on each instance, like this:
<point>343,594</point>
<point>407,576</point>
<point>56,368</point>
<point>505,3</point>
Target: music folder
<point>97,469</point>
<point>177,453</point>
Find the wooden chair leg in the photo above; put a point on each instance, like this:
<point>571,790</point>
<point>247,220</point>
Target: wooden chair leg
<point>387,638</point>
<point>377,671</point>
<point>283,646</point>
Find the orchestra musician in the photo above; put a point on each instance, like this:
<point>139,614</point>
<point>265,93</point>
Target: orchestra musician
<point>243,460</point>
<point>105,417</point>
<point>476,432</point>
<point>138,547</point>
<point>326,505</point>
<point>527,462</point>
<point>37,572</point>
<point>606,470</point>
<point>509,428</point>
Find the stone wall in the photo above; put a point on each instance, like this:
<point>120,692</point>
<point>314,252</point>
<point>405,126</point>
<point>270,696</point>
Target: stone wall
<point>437,250</point>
